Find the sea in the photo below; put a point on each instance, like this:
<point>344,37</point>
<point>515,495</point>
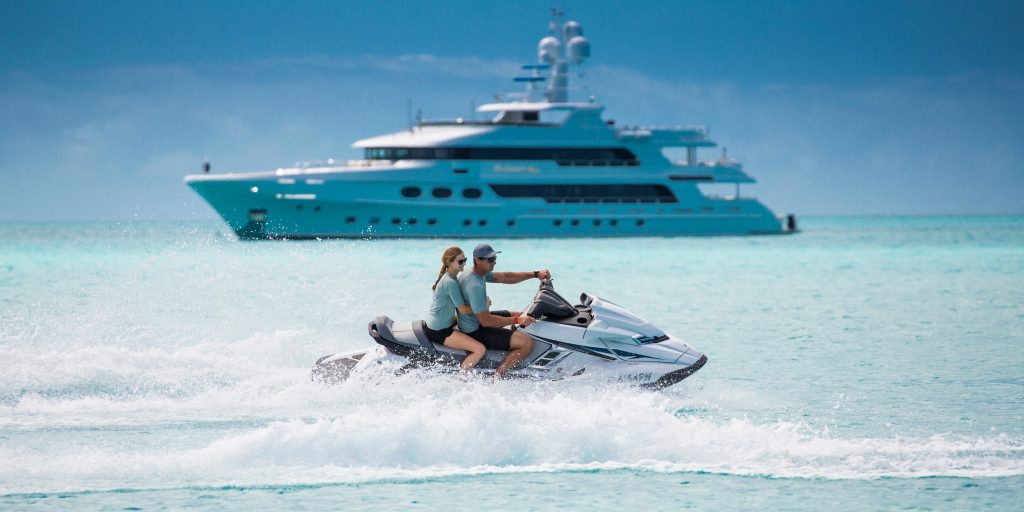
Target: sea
<point>865,363</point>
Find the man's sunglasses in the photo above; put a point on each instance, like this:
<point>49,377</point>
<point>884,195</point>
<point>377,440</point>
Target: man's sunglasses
<point>490,260</point>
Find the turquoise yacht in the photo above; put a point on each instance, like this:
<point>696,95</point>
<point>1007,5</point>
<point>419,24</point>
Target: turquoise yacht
<point>539,166</point>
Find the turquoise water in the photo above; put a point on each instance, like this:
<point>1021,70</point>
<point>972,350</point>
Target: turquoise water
<point>867,363</point>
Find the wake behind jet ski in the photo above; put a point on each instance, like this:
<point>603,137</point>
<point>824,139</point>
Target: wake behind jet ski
<point>596,338</point>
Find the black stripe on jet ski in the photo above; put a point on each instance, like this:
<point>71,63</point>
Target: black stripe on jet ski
<point>633,357</point>
<point>600,352</point>
<point>673,377</point>
<point>578,348</point>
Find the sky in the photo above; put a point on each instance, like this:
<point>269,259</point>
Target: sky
<point>835,107</point>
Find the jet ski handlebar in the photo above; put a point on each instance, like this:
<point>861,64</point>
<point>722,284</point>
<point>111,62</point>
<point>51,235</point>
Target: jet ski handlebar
<point>547,302</point>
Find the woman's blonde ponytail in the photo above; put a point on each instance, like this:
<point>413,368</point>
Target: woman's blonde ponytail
<point>447,257</point>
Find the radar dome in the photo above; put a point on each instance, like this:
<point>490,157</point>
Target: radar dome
<point>548,49</point>
<point>572,29</point>
<point>579,49</point>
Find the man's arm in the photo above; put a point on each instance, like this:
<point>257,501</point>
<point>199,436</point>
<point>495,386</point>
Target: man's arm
<point>518,277</point>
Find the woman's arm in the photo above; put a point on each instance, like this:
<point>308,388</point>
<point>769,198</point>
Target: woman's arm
<point>488,320</point>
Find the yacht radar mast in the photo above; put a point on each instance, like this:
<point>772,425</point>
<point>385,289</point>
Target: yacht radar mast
<point>565,44</point>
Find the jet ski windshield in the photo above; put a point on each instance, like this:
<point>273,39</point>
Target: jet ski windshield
<point>549,303</point>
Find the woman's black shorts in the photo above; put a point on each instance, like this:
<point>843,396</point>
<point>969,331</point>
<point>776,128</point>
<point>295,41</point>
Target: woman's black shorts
<point>437,336</point>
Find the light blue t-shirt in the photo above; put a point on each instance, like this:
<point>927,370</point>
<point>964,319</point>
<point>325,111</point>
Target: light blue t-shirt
<point>474,290</point>
<point>447,297</point>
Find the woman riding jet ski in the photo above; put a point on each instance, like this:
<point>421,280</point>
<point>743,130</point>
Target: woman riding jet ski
<point>596,337</point>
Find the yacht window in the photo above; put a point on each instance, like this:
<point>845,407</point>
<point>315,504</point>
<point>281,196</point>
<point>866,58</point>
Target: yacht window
<point>583,156</point>
<point>431,222</point>
<point>467,222</point>
<point>350,220</point>
<point>558,223</point>
<point>471,193</point>
<point>412,221</point>
<point>555,116</point>
<point>396,220</point>
<point>510,223</point>
<point>411,192</point>
<point>483,222</point>
<point>375,220</point>
<point>588,193</point>
<point>442,192</point>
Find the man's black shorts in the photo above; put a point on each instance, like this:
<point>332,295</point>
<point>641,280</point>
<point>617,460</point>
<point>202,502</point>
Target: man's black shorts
<point>494,338</point>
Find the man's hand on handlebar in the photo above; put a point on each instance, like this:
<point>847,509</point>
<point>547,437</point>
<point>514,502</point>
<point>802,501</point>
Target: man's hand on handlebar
<point>525,320</point>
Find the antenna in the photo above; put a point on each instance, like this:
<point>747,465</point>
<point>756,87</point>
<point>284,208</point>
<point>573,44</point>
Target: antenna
<point>408,113</point>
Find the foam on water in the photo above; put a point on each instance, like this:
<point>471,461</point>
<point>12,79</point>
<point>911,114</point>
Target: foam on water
<point>375,428</point>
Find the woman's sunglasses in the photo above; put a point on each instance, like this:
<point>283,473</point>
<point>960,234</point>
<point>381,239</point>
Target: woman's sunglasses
<point>461,261</point>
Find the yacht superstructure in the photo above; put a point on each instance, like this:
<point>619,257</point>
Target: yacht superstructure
<point>541,166</point>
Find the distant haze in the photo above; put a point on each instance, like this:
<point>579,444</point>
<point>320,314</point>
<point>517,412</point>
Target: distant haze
<point>871,107</point>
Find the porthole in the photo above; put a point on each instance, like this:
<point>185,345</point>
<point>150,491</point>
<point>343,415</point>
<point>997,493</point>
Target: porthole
<point>597,222</point>
<point>375,220</point>
<point>558,222</point>
<point>298,207</point>
<point>614,222</point>
<point>442,192</point>
<point>575,222</point>
<point>639,222</point>
<point>483,222</point>
<point>350,220</point>
<point>316,208</point>
<point>467,222</point>
<point>431,222</point>
<point>396,220</point>
<point>412,221</point>
<point>510,222</point>
<point>471,193</point>
<point>411,192</point>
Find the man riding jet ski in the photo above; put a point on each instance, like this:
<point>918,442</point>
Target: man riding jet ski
<point>596,338</point>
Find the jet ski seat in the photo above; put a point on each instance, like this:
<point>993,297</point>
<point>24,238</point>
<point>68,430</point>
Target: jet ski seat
<point>409,339</point>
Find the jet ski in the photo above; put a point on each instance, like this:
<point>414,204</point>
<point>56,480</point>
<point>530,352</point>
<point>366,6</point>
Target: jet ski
<point>595,338</point>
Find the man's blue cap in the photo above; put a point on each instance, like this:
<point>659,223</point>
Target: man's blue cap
<point>484,251</point>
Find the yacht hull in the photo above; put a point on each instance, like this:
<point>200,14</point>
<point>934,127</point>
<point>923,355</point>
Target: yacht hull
<point>258,208</point>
